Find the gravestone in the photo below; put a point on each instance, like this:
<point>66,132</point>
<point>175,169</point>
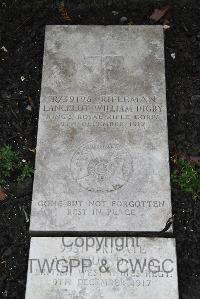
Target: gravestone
<point>102,165</point>
<point>102,268</point>
<point>102,147</point>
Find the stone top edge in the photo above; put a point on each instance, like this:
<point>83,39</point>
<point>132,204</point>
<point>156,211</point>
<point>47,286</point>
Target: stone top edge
<point>172,239</point>
<point>157,27</point>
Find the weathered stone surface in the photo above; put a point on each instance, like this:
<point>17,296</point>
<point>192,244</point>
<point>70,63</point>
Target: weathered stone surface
<point>102,268</point>
<point>102,150</point>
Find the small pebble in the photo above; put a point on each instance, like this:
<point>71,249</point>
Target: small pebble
<point>4,49</point>
<point>173,55</point>
<point>166,27</point>
<point>114,12</point>
<point>29,108</point>
<point>123,19</point>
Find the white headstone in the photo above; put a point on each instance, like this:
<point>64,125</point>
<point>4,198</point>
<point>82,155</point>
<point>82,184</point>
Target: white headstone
<point>102,148</point>
<point>102,268</point>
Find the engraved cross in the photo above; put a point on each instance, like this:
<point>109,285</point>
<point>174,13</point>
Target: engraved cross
<point>103,58</point>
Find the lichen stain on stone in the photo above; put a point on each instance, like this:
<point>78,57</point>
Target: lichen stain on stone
<point>60,70</point>
<point>68,68</point>
<point>71,133</point>
<point>58,45</point>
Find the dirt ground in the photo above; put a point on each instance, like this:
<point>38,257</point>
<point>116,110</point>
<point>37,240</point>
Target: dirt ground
<point>22,25</point>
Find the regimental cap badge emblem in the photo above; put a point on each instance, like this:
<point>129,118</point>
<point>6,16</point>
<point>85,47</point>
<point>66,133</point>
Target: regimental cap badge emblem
<point>101,165</point>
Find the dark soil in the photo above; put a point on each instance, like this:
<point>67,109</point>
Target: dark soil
<point>22,25</point>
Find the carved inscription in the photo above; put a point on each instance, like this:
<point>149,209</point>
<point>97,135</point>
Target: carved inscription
<point>103,267</point>
<point>102,111</point>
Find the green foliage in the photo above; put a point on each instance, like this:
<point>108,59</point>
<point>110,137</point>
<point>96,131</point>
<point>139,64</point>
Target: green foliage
<point>187,176</point>
<point>11,165</point>
<point>26,172</point>
<point>8,161</point>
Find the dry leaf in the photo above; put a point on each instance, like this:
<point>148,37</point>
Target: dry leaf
<point>158,13</point>
<point>31,150</point>
<point>63,11</point>
<point>30,100</point>
<point>2,195</point>
<point>195,159</point>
